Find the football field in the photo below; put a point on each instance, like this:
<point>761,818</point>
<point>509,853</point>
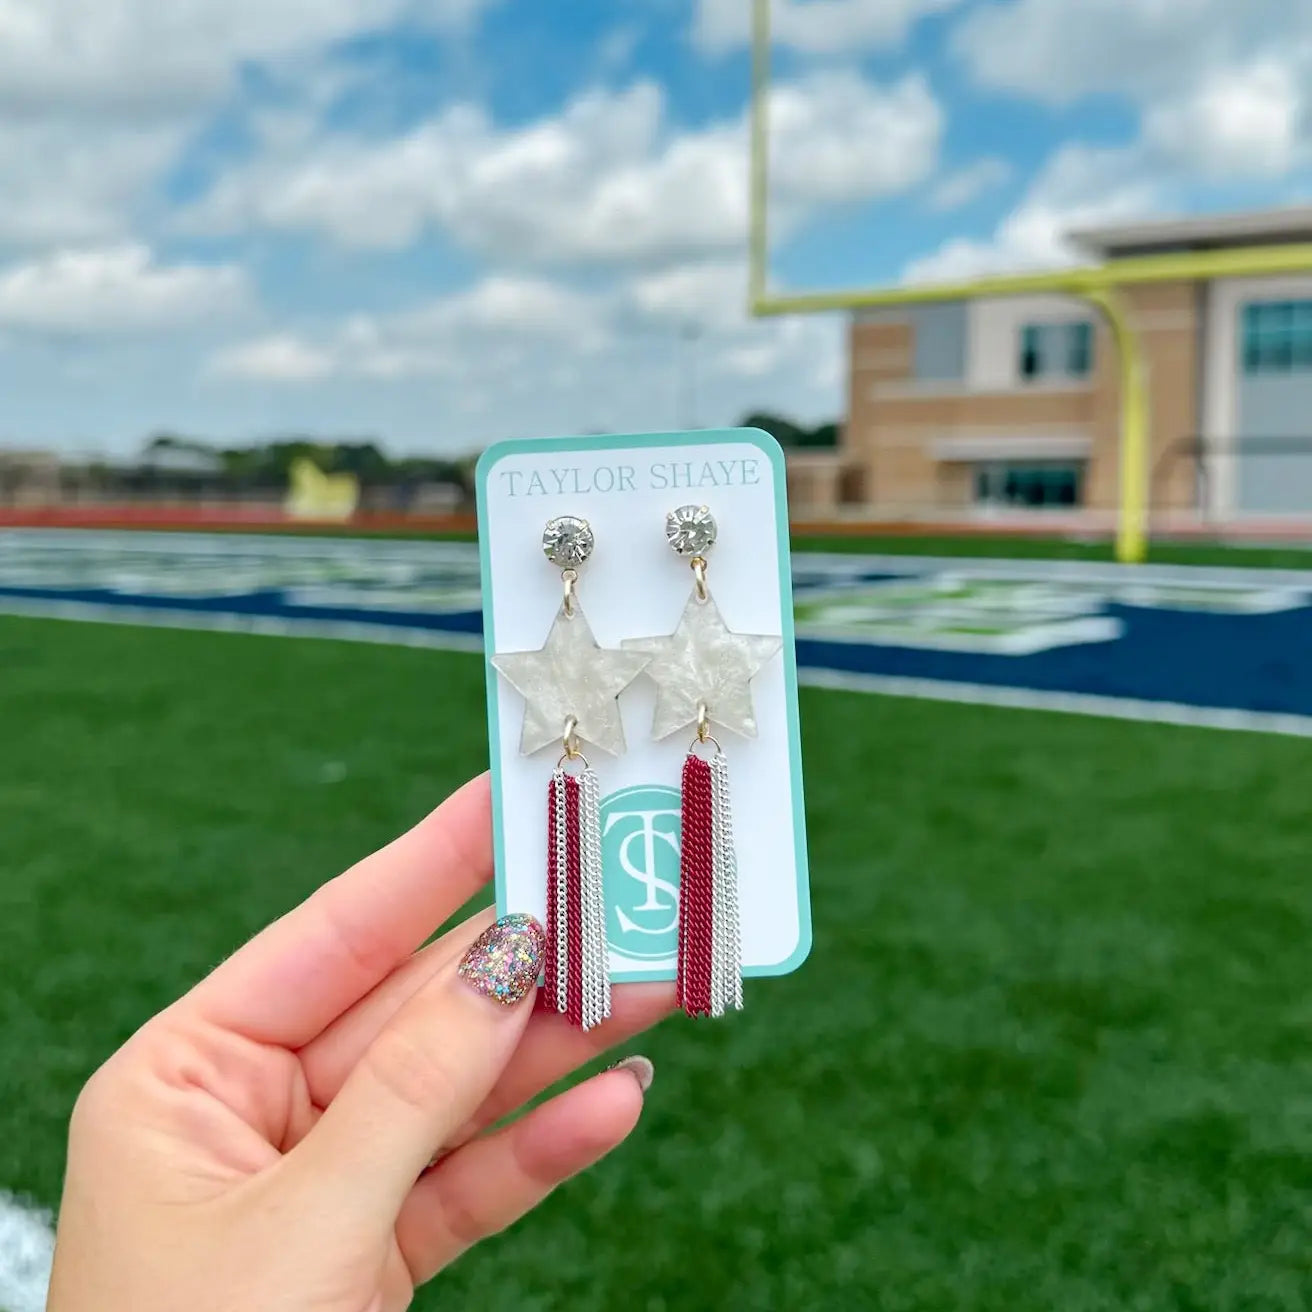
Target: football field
<point>1051,1049</point>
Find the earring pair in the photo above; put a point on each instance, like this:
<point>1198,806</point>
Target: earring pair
<point>571,688</point>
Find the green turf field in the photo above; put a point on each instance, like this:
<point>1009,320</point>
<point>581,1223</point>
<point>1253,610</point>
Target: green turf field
<point>1051,1050</point>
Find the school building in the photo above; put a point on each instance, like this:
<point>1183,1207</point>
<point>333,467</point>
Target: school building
<point>1013,402</point>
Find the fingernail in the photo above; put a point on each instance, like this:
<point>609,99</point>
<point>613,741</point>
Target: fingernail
<point>503,962</point>
<point>641,1069</point>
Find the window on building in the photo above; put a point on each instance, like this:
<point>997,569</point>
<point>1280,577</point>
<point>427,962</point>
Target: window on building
<point>1039,485</point>
<point>1056,351</point>
<point>1031,357</point>
<point>1277,337</point>
<point>1079,350</point>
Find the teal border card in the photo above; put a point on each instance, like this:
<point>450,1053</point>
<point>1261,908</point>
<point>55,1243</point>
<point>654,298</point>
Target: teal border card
<point>771,449</point>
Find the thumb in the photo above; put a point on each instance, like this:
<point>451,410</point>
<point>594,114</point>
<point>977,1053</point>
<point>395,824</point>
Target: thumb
<point>423,1077</point>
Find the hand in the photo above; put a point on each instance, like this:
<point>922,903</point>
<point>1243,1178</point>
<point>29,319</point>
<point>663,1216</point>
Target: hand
<point>262,1143</point>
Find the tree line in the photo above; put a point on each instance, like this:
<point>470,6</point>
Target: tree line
<point>268,464</point>
<point>789,434</point>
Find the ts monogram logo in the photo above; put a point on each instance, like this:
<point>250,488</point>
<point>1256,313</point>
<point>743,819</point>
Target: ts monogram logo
<point>640,864</point>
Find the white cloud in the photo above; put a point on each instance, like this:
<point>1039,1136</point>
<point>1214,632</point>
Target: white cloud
<point>66,183</point>
<point>1059,51</point>
<point>99,97</point>
<point>143,56</point>
<point>968,183</point>
<point>1081,186</point>
<point>606,180</point>
<point>1238,122</point>
<point>837,139</point>
<point>709,299</point>
<point>498,316</point>
<point>792,348</point>
<point>551,354</point>
<point>1241,122</point>
<point>116,290</point>
<point>530,307</point>
<point>813,27</point>
<point>277,358</point>
<point>711,295</point>
<point>456,169</point>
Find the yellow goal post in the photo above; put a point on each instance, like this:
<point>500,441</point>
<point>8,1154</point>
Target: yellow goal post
<point>1097,284</point>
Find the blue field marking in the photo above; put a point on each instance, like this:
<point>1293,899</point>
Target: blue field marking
<point>357,584</point>
<point>1201,638</point>
<point>1231,648</point>
<point>1258,663</point>
<point>267,603</point>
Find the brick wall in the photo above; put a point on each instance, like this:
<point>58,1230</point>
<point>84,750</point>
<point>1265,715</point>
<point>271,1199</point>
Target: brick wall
<point>894,422</point>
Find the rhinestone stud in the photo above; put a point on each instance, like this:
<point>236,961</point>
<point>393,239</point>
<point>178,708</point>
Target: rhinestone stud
<point>568,541</point>
<point>690,530</point>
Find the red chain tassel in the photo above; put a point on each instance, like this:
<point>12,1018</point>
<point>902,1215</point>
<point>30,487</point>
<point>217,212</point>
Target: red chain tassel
<point>710,939</point>
<point>696,889</point>
<point>574,904</point>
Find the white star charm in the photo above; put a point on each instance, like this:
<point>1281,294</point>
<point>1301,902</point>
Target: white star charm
<point>571,677</point>
<point>702,663</point>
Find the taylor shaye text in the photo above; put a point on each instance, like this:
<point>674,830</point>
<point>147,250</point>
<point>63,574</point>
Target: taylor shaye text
<point>660,476</point>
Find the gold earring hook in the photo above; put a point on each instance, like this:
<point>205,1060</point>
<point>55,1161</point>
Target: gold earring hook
<point>704,734</point>
<point>570,742</point>
<point>698,564</point>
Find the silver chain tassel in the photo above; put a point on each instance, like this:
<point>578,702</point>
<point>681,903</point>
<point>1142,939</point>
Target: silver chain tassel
<point>586,935</point>
<point>726,929</point>
<point>594,963</point>
<point>596,953</point>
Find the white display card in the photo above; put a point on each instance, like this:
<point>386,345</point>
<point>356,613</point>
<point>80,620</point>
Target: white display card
<point>635,586</point>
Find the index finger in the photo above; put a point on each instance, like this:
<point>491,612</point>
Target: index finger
<point>297,976</point>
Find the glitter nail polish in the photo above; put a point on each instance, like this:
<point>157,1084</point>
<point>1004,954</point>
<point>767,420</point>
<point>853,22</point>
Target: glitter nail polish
<point>503,962</point>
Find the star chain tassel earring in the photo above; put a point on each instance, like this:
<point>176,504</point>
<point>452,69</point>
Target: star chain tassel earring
<point>703,675</point>
<point>571,688</point>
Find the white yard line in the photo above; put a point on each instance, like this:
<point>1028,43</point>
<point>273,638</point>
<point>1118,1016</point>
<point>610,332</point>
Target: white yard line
<point>171,544</point>
<point>275,626</point>
<point>1067,703</point>
<point>1071,571</point>
<point>27,1244</point>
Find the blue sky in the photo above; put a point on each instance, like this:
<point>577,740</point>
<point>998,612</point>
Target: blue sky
<point>440,222</point>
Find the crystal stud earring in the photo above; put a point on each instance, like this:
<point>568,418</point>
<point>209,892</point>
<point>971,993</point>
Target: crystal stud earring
<point>570,687</point>
<point>703,673</point>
